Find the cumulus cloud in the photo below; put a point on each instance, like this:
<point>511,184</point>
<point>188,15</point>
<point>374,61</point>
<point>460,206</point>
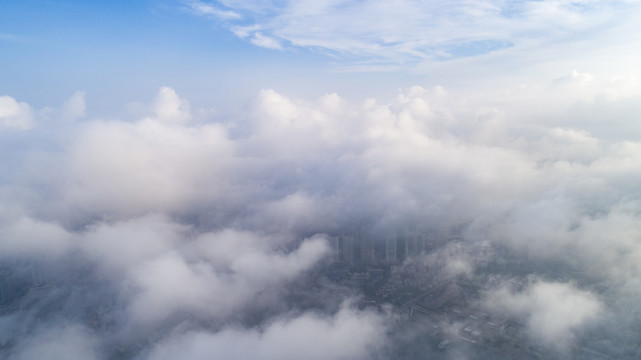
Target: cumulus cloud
<point>74,108</point>
<point>170,283</point>
<point>165,165</point>
<point>348,334</point>
<point>14,114</point>
<point>190,236</point>
<point>125,244</point>
<point>169,107</point>
<point>552,311</point>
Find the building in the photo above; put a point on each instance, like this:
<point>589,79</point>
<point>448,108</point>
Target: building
<point>335,243</point>
<point>390,250</point>
<point>347,248</point>
<point>367,250</point>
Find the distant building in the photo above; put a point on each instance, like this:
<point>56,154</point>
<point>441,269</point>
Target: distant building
<point>335,243</point>
<point>343,248</point>
<point>390,250</point>
<point>347,247</point>
<point>411,245</point>
<point>414,245</point>
<point>367,250</point>
<point>455,240</point>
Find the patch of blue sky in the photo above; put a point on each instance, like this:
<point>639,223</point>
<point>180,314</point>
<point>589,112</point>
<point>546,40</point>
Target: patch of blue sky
<point>113,50</point>
<point>117,50</point>
<point>472,48</point>
<point>512,9</point>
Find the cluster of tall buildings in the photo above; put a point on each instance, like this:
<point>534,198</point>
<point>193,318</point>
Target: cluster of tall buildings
<point>351,248</point>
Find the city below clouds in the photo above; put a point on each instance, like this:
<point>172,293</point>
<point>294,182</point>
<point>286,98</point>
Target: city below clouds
<point>495,214</point>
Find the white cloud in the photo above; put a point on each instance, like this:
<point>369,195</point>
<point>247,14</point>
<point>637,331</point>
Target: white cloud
<point>75,107</point>
<point>348,334</point>
<point>169,107</point>
<point>125,244</point>
<point>26,237</point>
<point>552,311</point>
<point>411,31</point>
<point>213,220</point>
<point>261,40</point>
<point>73,342</point>
<point>210,288</point>
<point>204,9</point>
<point>149,165</point>
<point>15,115</point>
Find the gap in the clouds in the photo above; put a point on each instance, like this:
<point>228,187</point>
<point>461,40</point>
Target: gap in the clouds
<point>472,48</point>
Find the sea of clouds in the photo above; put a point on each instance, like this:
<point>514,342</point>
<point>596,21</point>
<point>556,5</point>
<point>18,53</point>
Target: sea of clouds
<point>182,234</point>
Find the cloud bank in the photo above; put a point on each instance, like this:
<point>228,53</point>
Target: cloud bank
<point>171,235</point>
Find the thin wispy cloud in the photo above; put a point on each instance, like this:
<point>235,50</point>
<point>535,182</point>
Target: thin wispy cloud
<point>412,31</point>
<point>204,9</point>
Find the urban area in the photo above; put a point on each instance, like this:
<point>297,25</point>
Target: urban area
<point>438,314</point>
<point>444,312</point>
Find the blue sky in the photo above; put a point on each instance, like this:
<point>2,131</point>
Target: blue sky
<point>124,51</point>
<point>117,51</point>
<point>114,49</point>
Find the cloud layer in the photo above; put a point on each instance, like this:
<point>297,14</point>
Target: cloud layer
<point>171,234</point>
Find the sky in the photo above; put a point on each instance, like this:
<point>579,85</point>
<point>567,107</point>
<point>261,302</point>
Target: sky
<point>174,170</point>
<point>220,52</point>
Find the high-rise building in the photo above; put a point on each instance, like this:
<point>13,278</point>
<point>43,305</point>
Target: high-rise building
<point>415,245</point>
<point>421,243</point>
<point>455,243</point>
<point>411,250</point>
<point>367,250</point>
<point>335,243</point>
<point>347,247</point>
<point>390,250</point>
